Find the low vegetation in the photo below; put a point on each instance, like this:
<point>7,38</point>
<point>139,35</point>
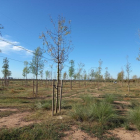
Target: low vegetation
<point>94,111</point>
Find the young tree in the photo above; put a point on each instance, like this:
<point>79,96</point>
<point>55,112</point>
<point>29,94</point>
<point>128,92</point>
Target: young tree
<point>92,73</point>
<point>135,78</point>
<point>98,73</point>
<point>51,66</point>
<point>128,70</point>
<point>120,76</point>
<point>5,70</point>
<point>26,70</point>
<point>80,69</point>
<point>64,75</point>
<point>107,74</point>
<point>59,47</point>
<point>41,74</point>
<point>47,74</point>
<point>71,69</point>
<point>37,65</point>
<point>85,75</point>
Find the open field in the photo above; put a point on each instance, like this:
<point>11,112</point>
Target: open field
<point>91,110</point>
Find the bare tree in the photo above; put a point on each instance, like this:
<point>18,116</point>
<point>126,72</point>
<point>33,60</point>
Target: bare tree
<point>59,46</point>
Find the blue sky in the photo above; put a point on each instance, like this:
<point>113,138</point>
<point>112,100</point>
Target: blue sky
<point>101,29</point>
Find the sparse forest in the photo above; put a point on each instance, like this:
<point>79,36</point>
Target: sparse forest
<point>78,103</point>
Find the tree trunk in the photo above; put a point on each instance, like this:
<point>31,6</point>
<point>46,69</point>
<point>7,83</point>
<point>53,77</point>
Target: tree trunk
<point>56,103</point>
<point>60,95</point>
<point>36,87</point>
<point>53,84</point>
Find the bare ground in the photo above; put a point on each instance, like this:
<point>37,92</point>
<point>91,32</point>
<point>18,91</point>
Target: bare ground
<point>126,134</point>
<point>15,120</point>
<point>77,134</point>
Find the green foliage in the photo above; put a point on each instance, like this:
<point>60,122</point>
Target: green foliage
<point>37,63</point>
<point>107,74</point>
<point>5,67</point>
<point>32,132</point>
<point>43,104</point>
<point>109,98</point>
<point>101,112</point>
<point>47,74</point>
<point>134,116</point>
<point>71,68</point>
<point>120,76</point>
<point>26,69</point>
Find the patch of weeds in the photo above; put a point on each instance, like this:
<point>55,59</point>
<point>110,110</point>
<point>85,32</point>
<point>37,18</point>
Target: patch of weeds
<point>20,88</point>
<point>14,91</point>
<point>101,112</point>
<point>32,132</point>
<point>109,98</point>
<point>43,105</point>
<point>6,113</point>
<point>65,105</point>
<point>98,132</point>
<point>134,104</point>
<point>89,99</point>
<point>134,117</point>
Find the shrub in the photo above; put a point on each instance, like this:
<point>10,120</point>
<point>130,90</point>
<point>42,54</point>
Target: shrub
<point>109,98</point>
<point>134,116</point>
<point>43,104</point>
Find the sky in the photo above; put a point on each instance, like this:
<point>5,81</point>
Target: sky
<point>100,29</point>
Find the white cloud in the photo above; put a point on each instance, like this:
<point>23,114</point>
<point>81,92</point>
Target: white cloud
<point>12,47</point>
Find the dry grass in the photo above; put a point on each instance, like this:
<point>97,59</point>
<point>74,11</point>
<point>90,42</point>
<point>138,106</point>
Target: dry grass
<point>20,96</point>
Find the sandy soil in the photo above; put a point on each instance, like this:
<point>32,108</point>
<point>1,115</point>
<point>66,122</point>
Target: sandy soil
<point>77,134</point>
<point>8,109</point>
<point>14,120</point>
<point>126,134</point>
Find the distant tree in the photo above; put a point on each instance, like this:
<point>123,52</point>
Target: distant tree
<point>26,70</point>
<point>51,66</point>
<point>64,75</point>
<point>98,73</point>
<point>120,77</point>
<point>84,75</point>
<point>107,74</point>
<point>47,74</point>
<point>135,78</point>
<point>75,76</point>
<point>128,70</point>
<point>41,74</point>
<point>59,47</point>
<point>5,70</point>
<point>71,69</point>
<point>60,69</point>
<point>80,69</point>
<point>92,73</point>
<point>37,65</point>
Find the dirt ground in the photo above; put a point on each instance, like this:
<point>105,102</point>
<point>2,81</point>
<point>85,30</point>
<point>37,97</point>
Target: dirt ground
<point>77,134</point>
<point>126,134</point>
<point>14,120</point>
